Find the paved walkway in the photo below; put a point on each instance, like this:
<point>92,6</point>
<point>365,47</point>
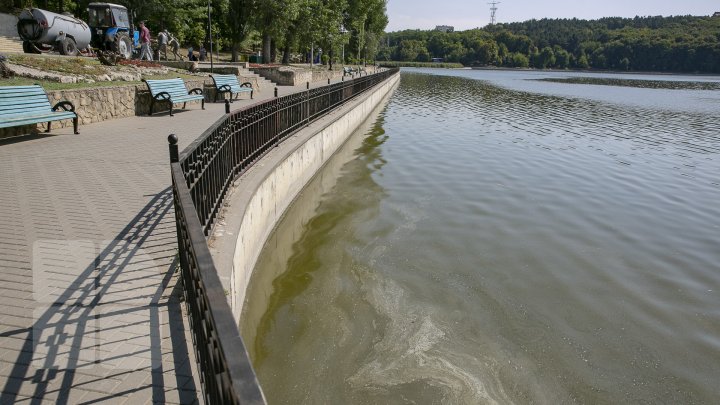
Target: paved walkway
<point>90,304</point>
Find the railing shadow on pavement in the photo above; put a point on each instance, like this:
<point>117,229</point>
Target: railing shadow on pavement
<point>107,319</point>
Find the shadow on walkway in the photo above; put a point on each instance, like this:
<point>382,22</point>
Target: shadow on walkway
<point>107,321</point>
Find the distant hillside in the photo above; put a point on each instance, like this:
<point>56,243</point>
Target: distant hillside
<point>662,44</point>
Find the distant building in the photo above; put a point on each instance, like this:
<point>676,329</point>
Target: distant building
<point>717,14</point>
<point>444,28</point>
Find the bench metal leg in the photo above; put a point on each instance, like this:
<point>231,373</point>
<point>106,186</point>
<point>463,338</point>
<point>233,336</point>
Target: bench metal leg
<point>152,104</point>
<point>184,104</point>
<point>171,109</point>
<point>203,103</point>
<point>48,128</point>
<point>75,125</point>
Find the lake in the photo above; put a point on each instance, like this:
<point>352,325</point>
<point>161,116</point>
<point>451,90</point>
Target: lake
<point>504,237</point>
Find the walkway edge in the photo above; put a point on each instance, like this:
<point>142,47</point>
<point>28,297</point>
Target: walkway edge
<point>260,197</point>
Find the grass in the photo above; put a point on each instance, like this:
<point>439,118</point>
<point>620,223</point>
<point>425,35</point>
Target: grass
<point>75,65</point>
<point>60,64</point>
<point>50,85</point>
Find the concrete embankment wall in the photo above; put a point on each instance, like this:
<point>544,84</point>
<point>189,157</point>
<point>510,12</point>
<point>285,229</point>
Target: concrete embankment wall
<point>263,194</point>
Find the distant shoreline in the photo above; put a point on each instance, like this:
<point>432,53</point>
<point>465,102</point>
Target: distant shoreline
<point>595,71</point>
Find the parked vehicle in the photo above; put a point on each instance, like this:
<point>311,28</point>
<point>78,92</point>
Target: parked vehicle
<point>112,28</point>
<point>42,30</point>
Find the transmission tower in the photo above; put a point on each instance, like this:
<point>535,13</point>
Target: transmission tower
<point>493,10</point>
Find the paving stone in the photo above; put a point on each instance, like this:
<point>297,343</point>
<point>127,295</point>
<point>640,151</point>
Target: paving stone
<point>87,244</point>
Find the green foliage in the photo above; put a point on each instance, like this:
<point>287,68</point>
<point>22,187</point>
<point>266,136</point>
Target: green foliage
<point>672,44</point>
<point>289,25</point>
<point>441,65</point>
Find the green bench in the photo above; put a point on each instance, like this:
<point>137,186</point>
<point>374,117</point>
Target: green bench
<point>230,84</point>
<point>27,105</point>
<point>173,91</point>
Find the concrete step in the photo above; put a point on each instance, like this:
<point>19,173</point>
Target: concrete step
<point>10,45</point>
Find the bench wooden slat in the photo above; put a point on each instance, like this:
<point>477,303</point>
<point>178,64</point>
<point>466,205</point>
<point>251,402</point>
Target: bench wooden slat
<point>37,119</point>
<point>42,117</point>
<point>20,96</point>
<point>19,112</point>
<point>24,103</point>
<point>34,89</point>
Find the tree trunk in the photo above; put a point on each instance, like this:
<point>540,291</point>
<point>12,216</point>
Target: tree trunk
<point>235,47</point>
<point>286,55</point>
<point>273,51</point>
<point>266,47</point>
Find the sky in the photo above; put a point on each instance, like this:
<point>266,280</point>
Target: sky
<point>467,14</point>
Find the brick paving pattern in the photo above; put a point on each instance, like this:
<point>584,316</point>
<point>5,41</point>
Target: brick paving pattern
<point>90,303</point>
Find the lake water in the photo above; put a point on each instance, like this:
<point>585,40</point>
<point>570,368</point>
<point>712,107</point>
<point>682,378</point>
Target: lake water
<point>494,238</point>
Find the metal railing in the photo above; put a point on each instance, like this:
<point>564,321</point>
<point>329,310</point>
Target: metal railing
<point>201,177</point>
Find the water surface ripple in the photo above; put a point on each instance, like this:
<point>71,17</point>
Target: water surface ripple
<point>487,242</point>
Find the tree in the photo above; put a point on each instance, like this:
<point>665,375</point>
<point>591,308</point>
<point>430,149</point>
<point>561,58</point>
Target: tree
<point>562,57</point>
<point>239,20</point>
<point>544,59</point>
<point>273,17</point>
<point>517,59</point>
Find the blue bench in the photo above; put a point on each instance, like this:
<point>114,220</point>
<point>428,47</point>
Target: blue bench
<point>173,91</point>
<point>27,105</point>
<point>230,84</point>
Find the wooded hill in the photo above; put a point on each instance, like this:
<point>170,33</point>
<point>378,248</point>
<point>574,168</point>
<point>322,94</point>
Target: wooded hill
<point>660,44</point>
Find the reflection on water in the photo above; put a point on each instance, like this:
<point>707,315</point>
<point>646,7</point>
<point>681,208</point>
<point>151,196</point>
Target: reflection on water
<point>646,84</point>
<point>490,243</point>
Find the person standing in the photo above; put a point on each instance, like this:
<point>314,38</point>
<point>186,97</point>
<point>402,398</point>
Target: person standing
<point>145,42</point>
<point>162,44</point>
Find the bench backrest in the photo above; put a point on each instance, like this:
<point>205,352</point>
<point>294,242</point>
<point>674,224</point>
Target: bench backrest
<point>230,80</point>
<point>23,100</point>
<point>174,87</point>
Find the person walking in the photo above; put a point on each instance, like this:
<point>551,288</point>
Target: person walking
<point>175,44</point>
<point>145,42</point>
<point>162,44</point>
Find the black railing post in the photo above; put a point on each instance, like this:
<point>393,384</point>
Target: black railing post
<point>174,153</point>
<point>200,183</point>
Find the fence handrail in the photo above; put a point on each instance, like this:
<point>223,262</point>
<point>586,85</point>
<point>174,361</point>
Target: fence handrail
<point>201,175</point>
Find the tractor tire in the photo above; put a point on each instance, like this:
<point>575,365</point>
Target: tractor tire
<point>28,47</point>
<point>68,47</point>
<point>122,45</point>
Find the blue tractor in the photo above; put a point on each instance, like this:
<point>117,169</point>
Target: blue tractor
<point>112,29</point>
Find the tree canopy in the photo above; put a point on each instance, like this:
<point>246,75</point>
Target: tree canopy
<point>291,26</point>
<point>664,44</point>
